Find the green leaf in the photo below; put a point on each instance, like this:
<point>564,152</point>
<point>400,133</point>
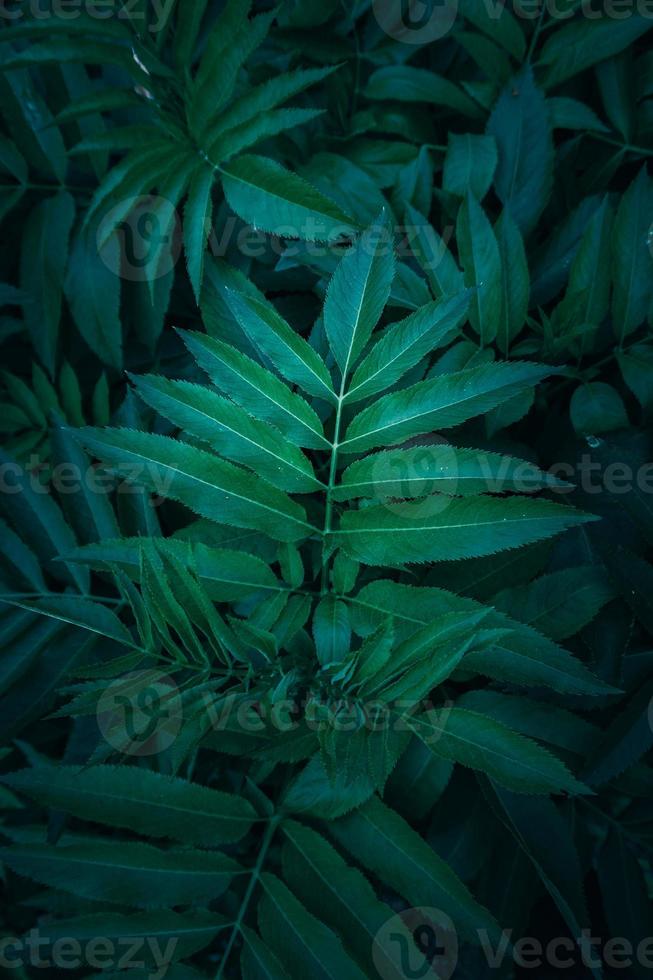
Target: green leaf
<point>339,895</point>
<point>232,40</point>
<point>44,253</point>
<point>256,960</point>
<point>267,196</point>
<point>125,873</point>
<point>466,528</point>
<point>209,486</point>
<point>546,839</point>
<point>357,295</point>
<point>402,345</point>
<point>596,408</point>
<point>627,739</point>
<point>407,84</point>
<point>583,43</point>
<point>227,144</point>
<point>40,520</point>
<point>26,634</point>
<point>616,84</point>
<point>587,300</point>
<point>637,370</point>
<point>569,113</point>
<point>301,941</point>
<point>93,292</point>
<point>469,165</point>
<point>38,138</point>
<point>227,575</point>
<point>138,799</point>
<point>632,261</point>
<point>439,403</point>
<point>255,102</point>
<point>197,225</point>
<point>479,742</point>
<point>432,254</point>
<point>559,604</point>
<point>539,720</point>
<point>521,655</point>
<point>428,657</point>
<point>438,468</point>
<point>78,611</point>
<point>61,50</point>
<point>139,171</point>
<point>85,504</point>
<point>275,339</point>
<point>313,793</point>
<point>489,57</point>
<point>504,29</point>
<point>176,935</point>
<point>32,695</point>
<point>23,563</point>
<point>257,390</point>
<point>515,281</point>
<point>189,22</point>
<point>481,262</point>
<point>331,630</point>
<point>625,896</point>
<point>387,846</point>
<point>230,431</point>
<point>521,127</point>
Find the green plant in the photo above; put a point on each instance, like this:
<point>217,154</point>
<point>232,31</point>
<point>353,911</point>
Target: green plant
<point>325,522</point>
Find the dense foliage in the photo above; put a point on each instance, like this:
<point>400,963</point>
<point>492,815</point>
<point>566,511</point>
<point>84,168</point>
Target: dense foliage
<point>326,515</point>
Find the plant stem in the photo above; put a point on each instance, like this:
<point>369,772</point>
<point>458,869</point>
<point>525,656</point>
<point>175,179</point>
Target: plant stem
<point>536,35</point>
<point>332,480</point>
<point>624,147</point>
<point>275,820</point>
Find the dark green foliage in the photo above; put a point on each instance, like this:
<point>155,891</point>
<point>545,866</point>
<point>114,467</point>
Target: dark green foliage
<point>326,517</point>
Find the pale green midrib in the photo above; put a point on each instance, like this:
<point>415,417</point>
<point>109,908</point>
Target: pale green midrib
<point>258,445</point>
<point>554,668</point>
<point>389,363</point>
<point>59,618</point>
<point>213,486</point>
<point>331,393</point>
<point>290,922</point>
<point>440,408</point>
<point>554,606</point>
<point>447,527</point>
<point>329,885</point>
<point>85,861</point>
<point>103,796</point>
<point>333,466</point>
<point>437,478</point>
<point>412,861</point>
<point>513,760</point>
<point>282,408</point>
<point>312,209</point>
